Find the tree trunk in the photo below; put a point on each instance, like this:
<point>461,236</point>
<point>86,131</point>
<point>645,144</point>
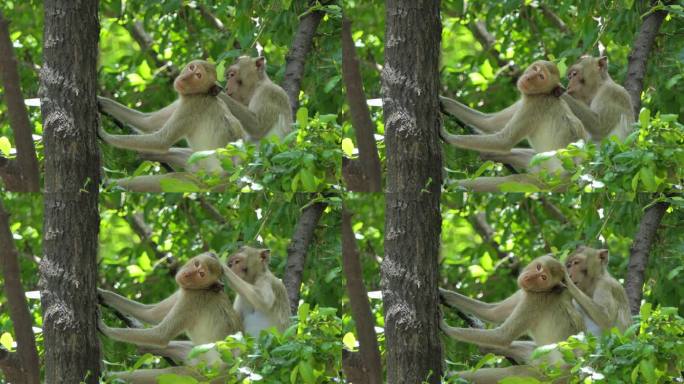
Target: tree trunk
<point>410,269</point>
<point>371,364</point>
<point>638,253</point>
<point>72,176</point>
<point>22,321</point>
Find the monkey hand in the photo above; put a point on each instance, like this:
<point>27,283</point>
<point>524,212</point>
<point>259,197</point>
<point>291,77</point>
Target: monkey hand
<point>558,91</point>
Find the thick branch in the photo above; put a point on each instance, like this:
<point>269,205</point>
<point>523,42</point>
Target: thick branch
<point>485,230</point>
<point>360,306</point>
<point>18,115</point>
<point>487,40</point>
<point>358,108</point>
<point>212,211</point>
<point>11,174</point>
<point>16,301</point>
<point>140,227</point>
<point>636,68</point>
<point>301,45</point>
<point>296,251</point>
<point>554,19</point>
<point>11,367</point>
<point>145,42</point>
<point>638,253</point>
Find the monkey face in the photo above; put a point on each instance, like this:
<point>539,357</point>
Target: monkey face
<point>249,263</point>
<point>540,77</point>
<point>583,77</point>
<point>238,264</point>
<point>541,275</point>
<point>585,265</point>
<point>242,76</point>
<point>199,273</point>
<point>197,77</point>
<point>577,268</point>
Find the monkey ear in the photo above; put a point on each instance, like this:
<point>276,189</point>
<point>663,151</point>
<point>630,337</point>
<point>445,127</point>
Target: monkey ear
<point>260,63</point>
<point>265,255</point>
<point>603,256</point>
<point>603,62</point>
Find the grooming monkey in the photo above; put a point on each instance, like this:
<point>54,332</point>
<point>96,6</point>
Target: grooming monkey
<point>540,116</point>
<point>602,299</point>
<point>262,106</point>
<point>542,308</point>
<point>197,116</point>
<point>261,300</point>
<point>603,106</point>
<point>199,308</point>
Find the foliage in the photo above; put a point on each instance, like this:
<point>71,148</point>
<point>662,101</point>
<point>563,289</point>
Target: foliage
<point>307,352</point>
<point>650,351</point>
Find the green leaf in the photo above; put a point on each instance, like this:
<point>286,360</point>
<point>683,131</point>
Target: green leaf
<point>306,372</point>
<point>648,371</point>
<point>302,117</point>
<point>647,177</point>
<point>169,378</point>
<point>200,349</point>
<point>308,180</point>
<point>543,350</point>
<point>540,157</point>
<point>348,147</point>
<point>519,380</point>
<point>476,270</point>
<point>135,79</point>
<point>135,271</point>
<point>178,185</point>
<point>349,341</point>
<point>331,84</point>
<point>487,165</point>
<point>5,146</point>
<point>477,78</point>
<point>199,155</point>
<point>487,70</point>
<point>6,340</point>
<point>644,117</point>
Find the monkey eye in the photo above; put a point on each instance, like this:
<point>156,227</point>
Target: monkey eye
<point>199,75</point>
<point>543,277</point>
<point>539,267</point>
<point>197,263</point>
<point>201,273</point>
<point>541,76</point>
<point>191,67</point>
<point>239,82</point>
<point>231,74</point>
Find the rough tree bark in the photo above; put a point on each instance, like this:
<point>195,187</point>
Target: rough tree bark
<point>72,177</point>
<point>638,253</point>
<point>22,321</point>
<point>410,269</point>
<point>369,160</point>
<point>641,50</point>
<point>360,306</point>
<point>18,116</point>
<point>296,251</point>
<point>296,58</point>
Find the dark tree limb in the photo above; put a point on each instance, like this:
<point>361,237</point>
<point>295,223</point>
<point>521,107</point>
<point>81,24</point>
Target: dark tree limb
<point>360,115</point>
<point>487,40</point>
<point>555,19</point>
<point>11,367</point>
<point>16,301</point>
<point>145,41</point>
<point>144,232</point>
<point>11,174</point>
<point>360,305</point>
<point>482,227</point>
<point>296,58</point>
<point>296,251</point>
<point>641,50</point>
<point>554,211</point>
<point>638,253</point>
<point>18,115</point>
<point>212,211</point>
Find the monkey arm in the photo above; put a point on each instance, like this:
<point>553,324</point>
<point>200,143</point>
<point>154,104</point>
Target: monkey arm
<point>149,313</point>
<point>158,336</point>
<point>601,309</point>
<point>157,142</point>
<point>492,312</point>
<point>485,122</point>
<point>248,118</point>
<point>259,295</point>
<point>501,336</point>
<point>514,132</point>
<point>589,118</point>
<point>142,122</point>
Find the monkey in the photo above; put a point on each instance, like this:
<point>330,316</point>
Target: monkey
<point>601,299</point>
<point>603,106</point>
<point>199,308</point>
<point>542,308</point>
<point>262,106</point>
<point>197,116</point>
<point>261,300</point>
<point>540,116</point>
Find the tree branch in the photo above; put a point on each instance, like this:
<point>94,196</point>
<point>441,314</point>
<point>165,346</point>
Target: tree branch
<point>11,367</point>
<point>638,253</point>
<point>296,58</point>
<point>144,232</point>
<point>555,19</point>
<point>212,211</point>
<point>358,301</point>
<point>487,40</point>
<point>11,174</point>
<point>16,301</point>
<point>358,108</point>
<point>18,115</point>
<point>144,40</point>
<point>296,251</point>
<point>636,68</point>
<point>482,227</point>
